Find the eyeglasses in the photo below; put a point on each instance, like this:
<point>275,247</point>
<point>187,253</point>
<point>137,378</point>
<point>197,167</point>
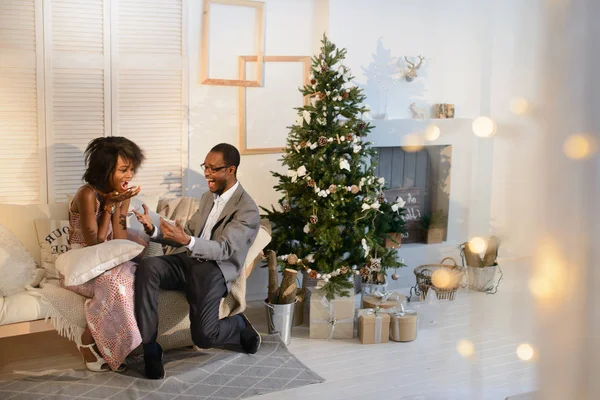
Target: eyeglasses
<point>212,170</point>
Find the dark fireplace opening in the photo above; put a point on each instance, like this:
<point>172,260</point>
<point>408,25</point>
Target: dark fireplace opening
<point>422,179</point>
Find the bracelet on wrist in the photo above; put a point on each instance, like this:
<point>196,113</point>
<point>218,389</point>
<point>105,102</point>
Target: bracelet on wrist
<point>110,209</point>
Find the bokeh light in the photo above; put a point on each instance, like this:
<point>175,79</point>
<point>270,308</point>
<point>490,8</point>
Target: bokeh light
<point>525,352</point>
<point>484,127</point>
<point>477,245</point>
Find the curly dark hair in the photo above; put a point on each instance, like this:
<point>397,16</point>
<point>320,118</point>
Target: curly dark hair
<point>101,157</point>
<point>231,155</point>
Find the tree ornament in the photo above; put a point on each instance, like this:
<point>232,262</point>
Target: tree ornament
<point>313,81</point>
<point>395,277</point>
<point>354,189</point>
<point>322,141</point>
<point>325,68</point>
<point>332,188</point>
<point>381,197</point>
<point>362,125</point>
<point>303,144</point>
<point>314,219</point>
<point>349,137</point>
<point>375,264</point>
<point>311,183</point>
<point>292,259</point>
<point>286,208</point>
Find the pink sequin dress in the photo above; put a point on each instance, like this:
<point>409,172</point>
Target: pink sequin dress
<point>109,309</point>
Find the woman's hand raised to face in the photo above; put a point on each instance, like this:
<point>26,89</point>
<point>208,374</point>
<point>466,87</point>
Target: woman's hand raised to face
<point>116,197</point>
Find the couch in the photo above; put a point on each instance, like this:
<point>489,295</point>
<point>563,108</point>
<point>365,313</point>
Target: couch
<point>25,312</point>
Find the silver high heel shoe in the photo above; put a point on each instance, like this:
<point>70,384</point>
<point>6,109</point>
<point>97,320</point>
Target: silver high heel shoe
<point>95,366</point>
<point>100,365</point>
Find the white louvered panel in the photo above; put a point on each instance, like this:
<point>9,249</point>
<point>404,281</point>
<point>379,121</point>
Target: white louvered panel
<point>77,118</point>
<point>17,25</point>
<point>78,26</point>
<point>150,26</point>
<point>20,175</point>
<point>150,93</point>
<point>150,114</point>
<point>77,87</point>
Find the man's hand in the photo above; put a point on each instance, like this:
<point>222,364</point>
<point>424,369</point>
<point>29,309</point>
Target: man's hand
<point>174,233</point>
<point>145,219</point>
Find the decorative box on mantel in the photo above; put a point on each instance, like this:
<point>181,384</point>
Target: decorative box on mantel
<point>331,319</point>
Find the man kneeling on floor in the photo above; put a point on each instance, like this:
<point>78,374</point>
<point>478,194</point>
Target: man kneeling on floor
<point>214,245</point>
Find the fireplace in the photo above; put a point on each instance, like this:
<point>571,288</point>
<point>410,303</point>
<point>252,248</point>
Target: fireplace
<point>422,179</point>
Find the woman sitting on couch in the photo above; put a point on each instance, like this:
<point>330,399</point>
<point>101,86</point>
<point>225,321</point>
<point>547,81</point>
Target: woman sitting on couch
<point>98,213</point>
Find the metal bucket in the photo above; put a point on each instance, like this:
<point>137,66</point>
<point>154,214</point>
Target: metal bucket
<point>279,320</point>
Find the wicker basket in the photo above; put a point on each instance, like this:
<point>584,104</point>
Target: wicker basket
<point>424,283</point>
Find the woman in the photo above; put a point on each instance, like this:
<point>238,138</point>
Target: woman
<point>98,213</point>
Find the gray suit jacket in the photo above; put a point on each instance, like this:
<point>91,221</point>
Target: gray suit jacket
<point>231,238</point>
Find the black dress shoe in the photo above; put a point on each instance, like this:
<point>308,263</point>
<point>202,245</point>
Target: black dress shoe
<point>153,355</point>
<point>250,339</point>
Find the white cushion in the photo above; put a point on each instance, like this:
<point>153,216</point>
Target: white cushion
<point>17,266</point>
<point>53,237</point>
<point>262,239</point>
<point>80,265</point>
<point>21,307</point>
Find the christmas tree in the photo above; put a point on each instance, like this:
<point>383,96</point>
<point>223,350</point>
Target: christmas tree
<point>329,217</point>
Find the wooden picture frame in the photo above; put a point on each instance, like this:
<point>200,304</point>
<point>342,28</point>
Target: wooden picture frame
<point>260,33</point>
<point>242,98</point>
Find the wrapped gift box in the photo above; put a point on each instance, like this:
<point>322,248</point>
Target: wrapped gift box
<point>403,326</point>
<point>390,300</point>
<point>373,326</point>
<point>331,319</point>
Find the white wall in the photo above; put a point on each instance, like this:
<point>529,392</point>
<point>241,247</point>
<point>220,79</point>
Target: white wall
<point>290,27</point>
<point>476,58</point>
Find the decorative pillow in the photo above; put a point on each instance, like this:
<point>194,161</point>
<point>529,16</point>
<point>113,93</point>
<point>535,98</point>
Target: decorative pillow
<point>85,263</point>
<point>53,237</point>
<point>17,266</point>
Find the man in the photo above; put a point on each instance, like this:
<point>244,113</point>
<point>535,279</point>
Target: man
<point>214,243</point>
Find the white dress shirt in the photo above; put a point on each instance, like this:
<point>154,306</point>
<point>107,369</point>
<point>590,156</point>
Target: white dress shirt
<point>215,211</point>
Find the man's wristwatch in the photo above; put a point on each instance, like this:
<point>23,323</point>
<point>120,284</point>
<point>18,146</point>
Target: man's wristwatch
<point>150,231</point>
<point>111,210</point>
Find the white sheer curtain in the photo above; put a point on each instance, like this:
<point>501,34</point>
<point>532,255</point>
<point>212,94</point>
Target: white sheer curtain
<point>566,276</point>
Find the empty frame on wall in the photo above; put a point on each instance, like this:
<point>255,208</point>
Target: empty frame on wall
<point>261,129</point>
<point>259,41</point>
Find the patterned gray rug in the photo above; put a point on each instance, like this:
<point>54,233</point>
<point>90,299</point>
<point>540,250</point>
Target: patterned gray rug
<point>207,374</point>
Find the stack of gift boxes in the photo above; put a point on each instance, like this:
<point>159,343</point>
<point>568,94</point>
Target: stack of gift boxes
<point>382,317</point>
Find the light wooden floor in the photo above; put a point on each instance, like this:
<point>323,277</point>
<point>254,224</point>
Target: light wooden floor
<point>426,369</point>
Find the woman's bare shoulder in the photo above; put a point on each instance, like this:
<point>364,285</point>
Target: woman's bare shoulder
<point>85,195</point>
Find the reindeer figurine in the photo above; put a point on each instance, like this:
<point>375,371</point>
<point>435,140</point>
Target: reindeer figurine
<point>417,113</point>
<point>411,73</point>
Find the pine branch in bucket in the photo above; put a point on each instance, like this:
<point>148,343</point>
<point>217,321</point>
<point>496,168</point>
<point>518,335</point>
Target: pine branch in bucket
<point>285,293</point>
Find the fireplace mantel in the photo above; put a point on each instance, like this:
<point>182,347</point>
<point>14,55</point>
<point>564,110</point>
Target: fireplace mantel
<point>394,132</point>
